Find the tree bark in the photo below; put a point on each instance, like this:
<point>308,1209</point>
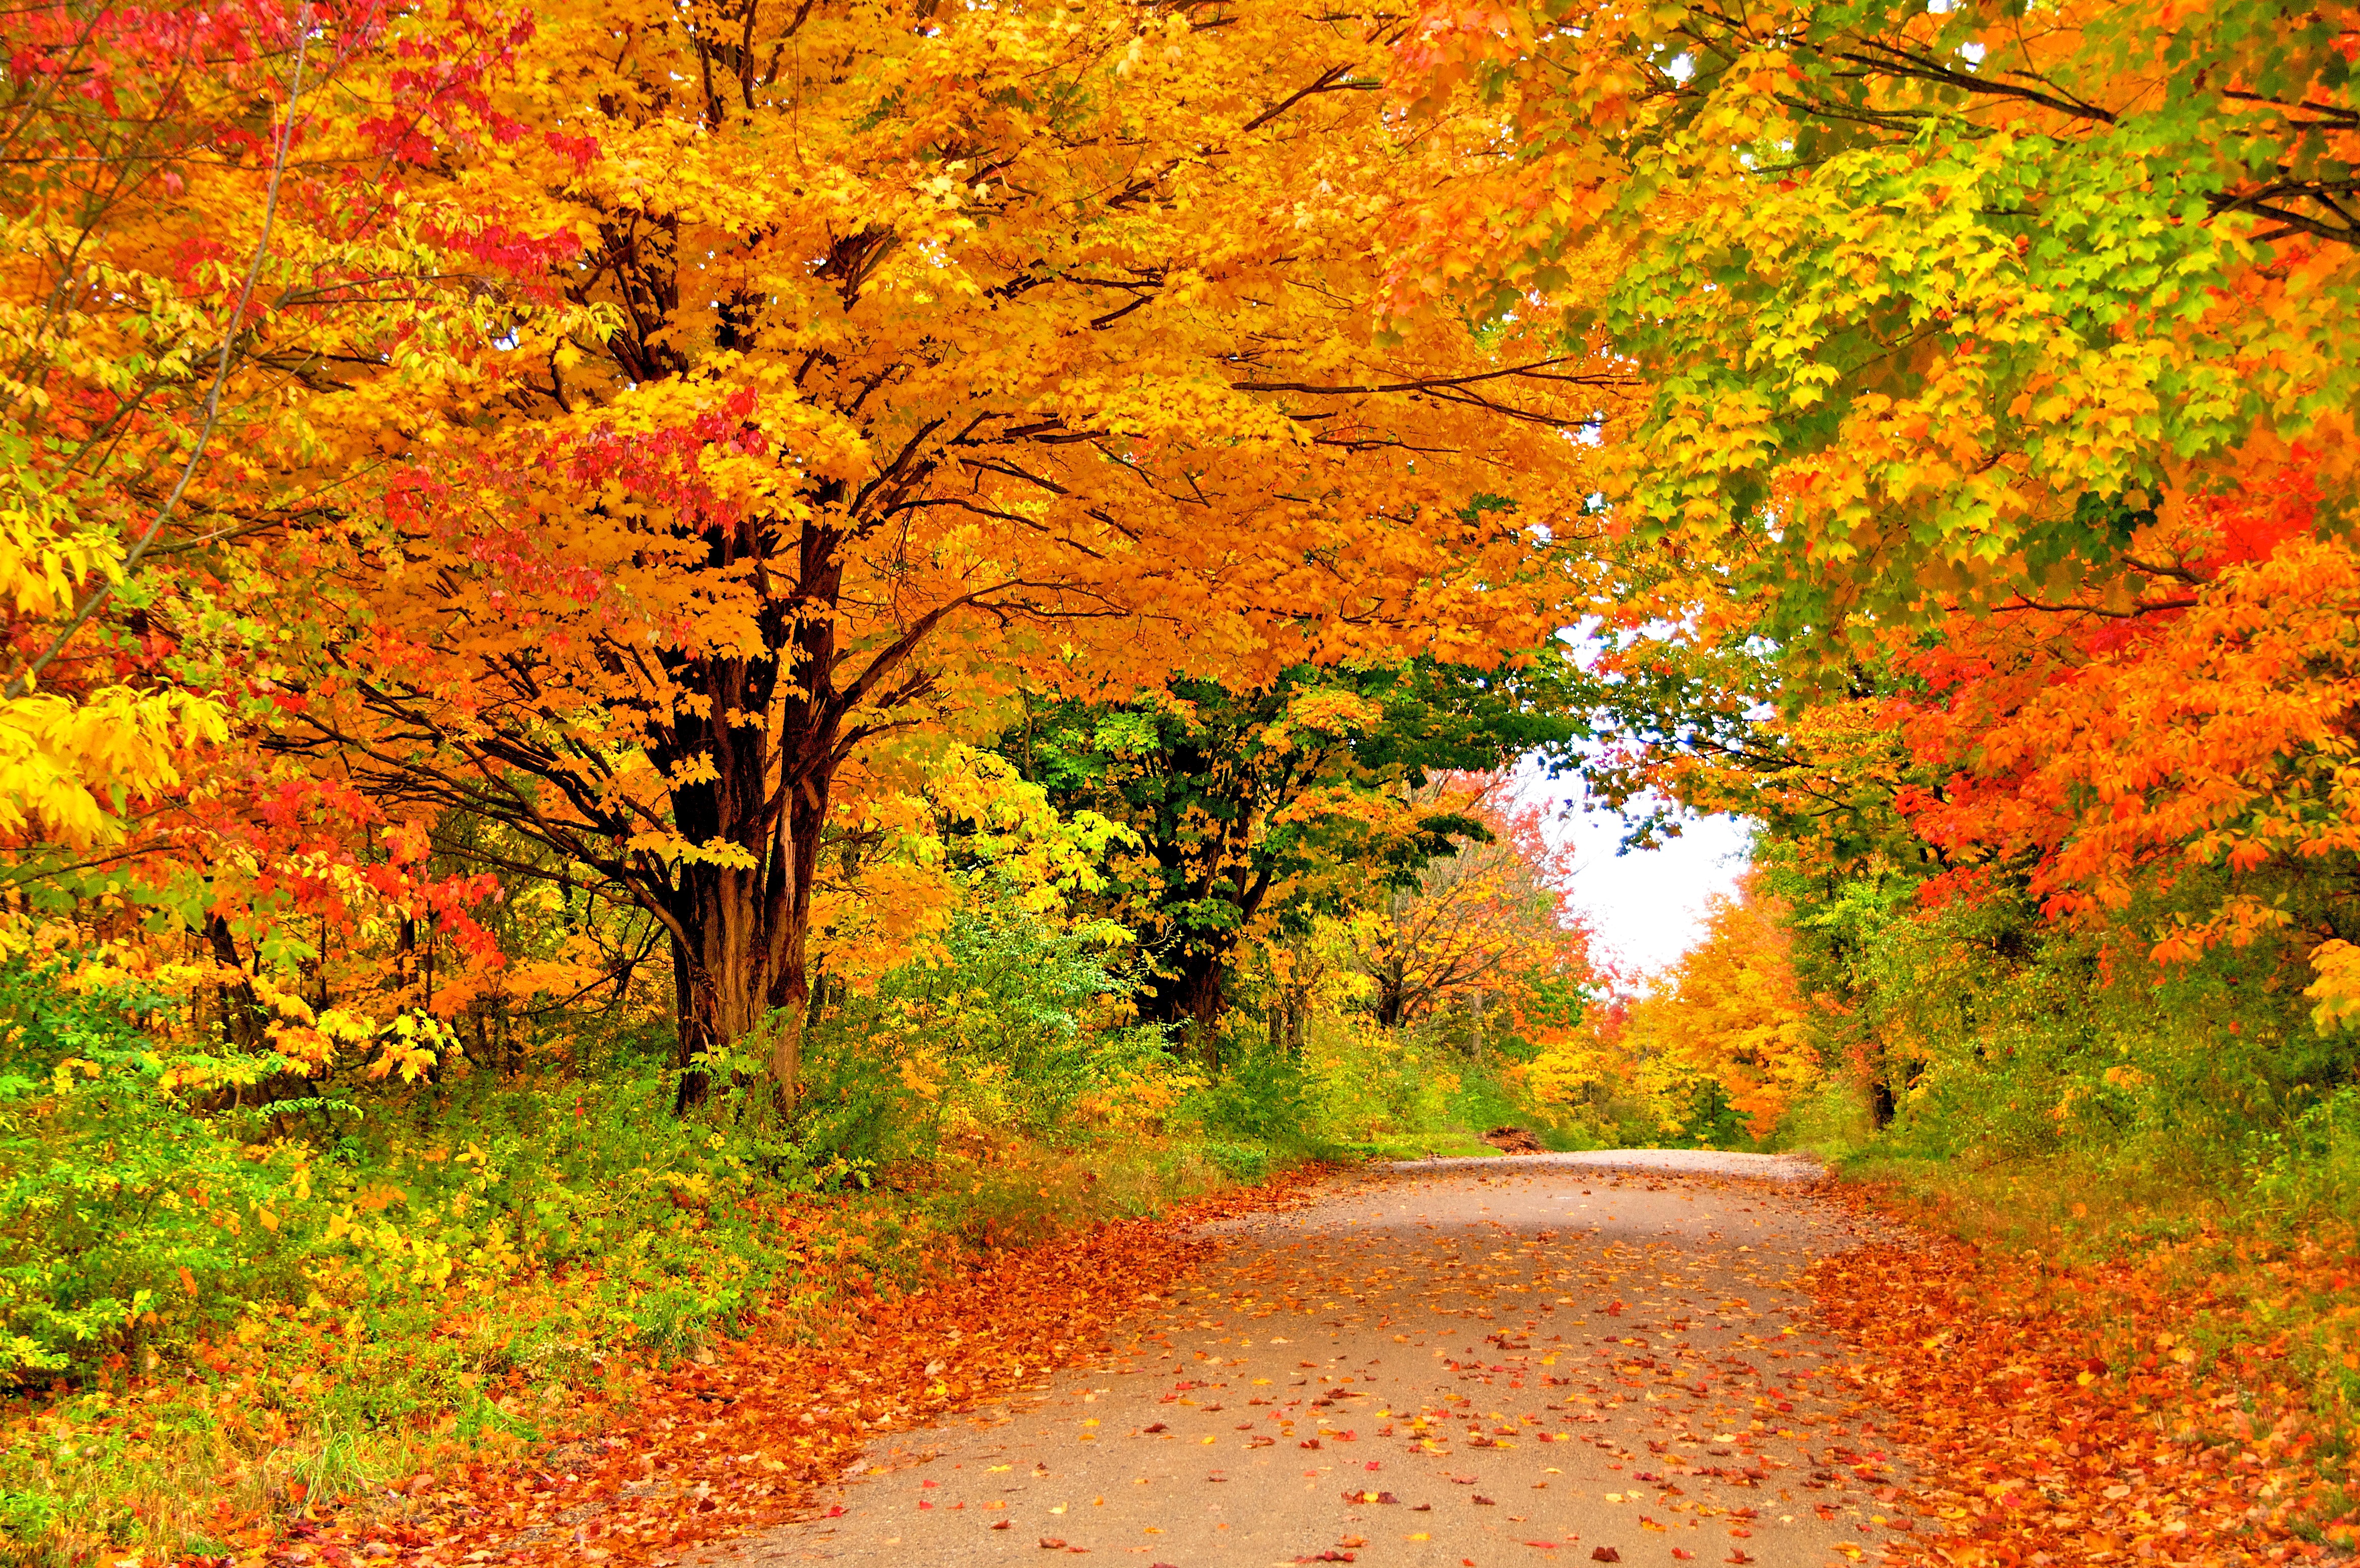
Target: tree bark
<point>1191,999</point>
<point>244,1017</point>
<point>1390,994</point>
<point>741,948</point>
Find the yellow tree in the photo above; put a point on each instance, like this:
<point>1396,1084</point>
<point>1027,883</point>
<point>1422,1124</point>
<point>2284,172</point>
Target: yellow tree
<point>1732,1013</point>
<point>940,348</point>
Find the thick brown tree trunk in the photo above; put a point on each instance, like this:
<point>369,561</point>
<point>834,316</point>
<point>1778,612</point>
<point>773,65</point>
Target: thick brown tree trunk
<point>740,913</point>
<point>743,972</point>
<point>1191,999</point>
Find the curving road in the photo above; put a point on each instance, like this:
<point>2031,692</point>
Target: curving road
<point>1547,1359</point>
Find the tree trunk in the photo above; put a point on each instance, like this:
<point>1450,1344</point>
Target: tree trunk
<point>1391,1000</point>
<point>1192,1000</point>
<point>743,976</point>
<point>741,933</point>
<point>244,1017</point>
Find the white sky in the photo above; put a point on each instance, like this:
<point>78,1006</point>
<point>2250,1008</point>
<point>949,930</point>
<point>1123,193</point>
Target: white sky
<point>1646,908</point>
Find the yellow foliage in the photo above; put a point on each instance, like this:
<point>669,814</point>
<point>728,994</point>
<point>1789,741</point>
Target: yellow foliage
<point>1732,1013</point>
<point>67,768</point>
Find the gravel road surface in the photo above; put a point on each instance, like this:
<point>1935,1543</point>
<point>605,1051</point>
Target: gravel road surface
<point>1534,1359</point>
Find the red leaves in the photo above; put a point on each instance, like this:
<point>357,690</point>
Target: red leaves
<point>2022,1438</point>
<point>578,149</point>
<point>692,1452</point>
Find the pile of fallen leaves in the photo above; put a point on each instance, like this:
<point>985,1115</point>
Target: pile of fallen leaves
<point>735,1439</point>
<point>2060,1415</point>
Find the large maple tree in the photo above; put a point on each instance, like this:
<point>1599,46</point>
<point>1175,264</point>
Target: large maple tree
<point>935,348</point>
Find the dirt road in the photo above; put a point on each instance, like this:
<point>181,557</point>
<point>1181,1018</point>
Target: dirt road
<point>1539,1359</point>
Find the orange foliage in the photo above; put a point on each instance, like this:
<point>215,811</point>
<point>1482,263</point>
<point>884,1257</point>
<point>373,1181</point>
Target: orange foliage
<point>2069,1415</point>
<point>935,352</point>
<point>1730,1010</point>
<point>2205,724</point>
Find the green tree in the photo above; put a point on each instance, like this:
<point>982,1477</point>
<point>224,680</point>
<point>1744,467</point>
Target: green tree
<point>1259,809</point>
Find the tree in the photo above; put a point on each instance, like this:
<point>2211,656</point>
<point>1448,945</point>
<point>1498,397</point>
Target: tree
<point>1491,923</point>
<point>2197,740</point>
<point>1730,1013</point>
<point>935,348</point>
<point>212,263</point>
<point>1263,808</point>
<point>1932,302</point>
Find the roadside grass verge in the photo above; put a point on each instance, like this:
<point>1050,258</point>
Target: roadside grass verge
<point>2186,1269</point>
<point>288,1410</point>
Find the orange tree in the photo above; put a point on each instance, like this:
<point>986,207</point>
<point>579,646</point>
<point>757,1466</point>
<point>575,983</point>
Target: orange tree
<point>214,260</point>
<point>935,351</point>
<point>1730,1020</point>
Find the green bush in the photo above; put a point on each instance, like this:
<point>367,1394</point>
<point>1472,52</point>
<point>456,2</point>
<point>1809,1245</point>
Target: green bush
<point>2311,1164</point>
<point>125,1215</point>
<point>1010,1026</point>
<point>1263,1097</point>
<point>2004,1039</point>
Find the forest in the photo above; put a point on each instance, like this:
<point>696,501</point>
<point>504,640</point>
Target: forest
<point>670,664</point>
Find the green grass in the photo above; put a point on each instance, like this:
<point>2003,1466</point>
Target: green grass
<point>1446,1143</point>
